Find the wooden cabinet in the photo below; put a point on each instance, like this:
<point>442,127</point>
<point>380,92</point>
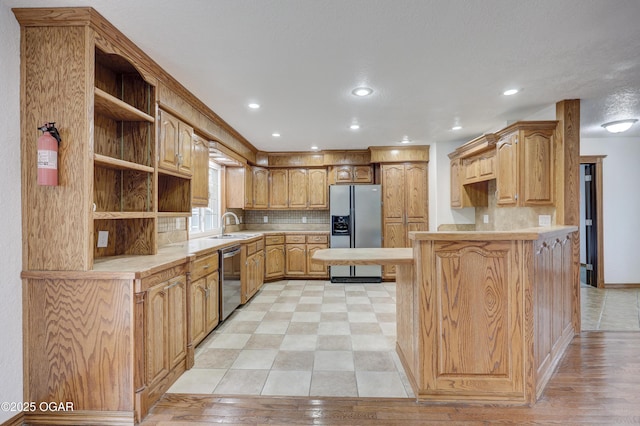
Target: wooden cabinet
<point>351,174</point>
<point>404,204</point>
<point>274,257</point>
<point>166,329</point>
<point>239,187</point>
<point>203,298</point>
<point>278,189</point>
<point>298,190</point>
<point>479,167</point>
<point>299,250</point>
<point>260,188</point>
<point>318,189</point>
<point>200,180</point>
<point>252,268</point>
<point>525,164</point>
<point>175,145</point>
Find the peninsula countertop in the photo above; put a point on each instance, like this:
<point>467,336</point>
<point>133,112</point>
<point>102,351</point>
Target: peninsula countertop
<point>364,256</point>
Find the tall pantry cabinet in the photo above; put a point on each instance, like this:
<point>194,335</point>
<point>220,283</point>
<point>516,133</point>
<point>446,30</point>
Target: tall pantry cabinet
<point>405,204</point>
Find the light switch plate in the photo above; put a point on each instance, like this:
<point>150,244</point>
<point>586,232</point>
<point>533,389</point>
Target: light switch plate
<point>103,239</point>
<point>485,218</point>
<point>265,219</point>
<point>544,220</point>
<point>304,219</point>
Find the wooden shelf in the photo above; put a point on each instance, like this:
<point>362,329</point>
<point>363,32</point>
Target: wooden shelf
<point>114,163</point>
<point>113,107</point>
<point>174,214</point>
<point>123,215</point>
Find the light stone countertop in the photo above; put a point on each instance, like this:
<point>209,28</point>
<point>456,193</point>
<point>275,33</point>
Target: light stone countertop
<point>364,256</point>
<point>517,234</point>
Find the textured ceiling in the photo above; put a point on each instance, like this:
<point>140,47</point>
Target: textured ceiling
<point>432,64</point>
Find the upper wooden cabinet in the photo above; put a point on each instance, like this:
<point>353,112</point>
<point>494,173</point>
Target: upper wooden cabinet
<point>239,187</point>
<point>525,164</point>
<point>351,174</point>
<point>318,189</point>
<point>260,188</point>
<point>175,152</point>
<point>200,180</point>
<point>278,188</point>
<point>298,188</point>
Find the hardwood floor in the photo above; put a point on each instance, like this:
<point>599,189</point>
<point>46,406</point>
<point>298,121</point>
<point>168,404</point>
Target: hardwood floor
<point>596,383</point>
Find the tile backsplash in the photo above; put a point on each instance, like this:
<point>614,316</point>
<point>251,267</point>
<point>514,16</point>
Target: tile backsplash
<point>279,217</point>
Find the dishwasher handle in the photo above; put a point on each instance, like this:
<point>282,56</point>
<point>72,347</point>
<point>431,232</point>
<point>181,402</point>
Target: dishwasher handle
<point>230,252</point>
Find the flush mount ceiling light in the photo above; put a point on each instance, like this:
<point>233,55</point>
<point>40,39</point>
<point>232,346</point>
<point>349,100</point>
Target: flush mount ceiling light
<point>362,91</point>
<point>619,126</point>
<point>456,128</point>
<point>254,105</point>
<point>354,126</point>
<point>510,92</point>
<point>275,135</point>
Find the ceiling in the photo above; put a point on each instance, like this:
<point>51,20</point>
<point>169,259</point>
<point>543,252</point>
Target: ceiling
<point>432,64</point>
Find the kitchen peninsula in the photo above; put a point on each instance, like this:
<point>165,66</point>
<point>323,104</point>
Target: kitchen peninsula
<point>482,317</point>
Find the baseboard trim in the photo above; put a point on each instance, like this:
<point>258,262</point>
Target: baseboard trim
<point>17,420</point>
<point>621,285</point>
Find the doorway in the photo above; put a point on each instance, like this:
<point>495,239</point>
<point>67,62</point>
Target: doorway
<point>591,234</point>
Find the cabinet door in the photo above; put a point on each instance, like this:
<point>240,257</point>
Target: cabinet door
<point>177,299</point>
<point>185,154</point>
<point>537,178</point>
<point>200,180</point>
<point>362,174</point>
<point>315,269</point>
<point>393,193</point>
<point>248,187</point>
<point>198,303</point>
<point>507,179</point>
<point>318,189</point>
<point>278,189</point>
<point>416,190</point>
<point>344,174</point>
<point>259,269</point>
<point>274,263</point>
<point>212,314</point>
<point>455,187</point>
<point>235,188</point>
<point>260,188</point>
<point>298,188</point>
<point>296,260</point>
<point>169,142</point>
<point>157,334</point>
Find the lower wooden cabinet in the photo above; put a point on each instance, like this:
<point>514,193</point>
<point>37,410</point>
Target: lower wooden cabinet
<point>252,269</point>
<point>274,257</point>
<point>204,314</point>
<point>299,250</point>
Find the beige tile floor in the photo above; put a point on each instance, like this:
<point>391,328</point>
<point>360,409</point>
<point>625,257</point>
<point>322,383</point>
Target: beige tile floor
<point>315,338</point>
<point>304,338</point>
<point>610,309</point>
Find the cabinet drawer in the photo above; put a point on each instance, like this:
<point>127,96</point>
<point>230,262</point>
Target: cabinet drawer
<point>204,266</point>
<point>255,246</point>
<point>317,239</point>
<point>295,239</point>
<point>272,240</point>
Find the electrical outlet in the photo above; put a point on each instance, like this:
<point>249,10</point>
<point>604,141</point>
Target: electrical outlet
<point>544,220</point>
<point>304,219</point>
<point>103,239</point>
<point>265,219</point>
<point>485,218</point>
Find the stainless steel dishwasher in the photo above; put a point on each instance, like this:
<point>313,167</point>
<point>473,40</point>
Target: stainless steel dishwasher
<point>230,291</point>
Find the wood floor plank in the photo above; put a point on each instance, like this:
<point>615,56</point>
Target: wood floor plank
<point>596,383</point>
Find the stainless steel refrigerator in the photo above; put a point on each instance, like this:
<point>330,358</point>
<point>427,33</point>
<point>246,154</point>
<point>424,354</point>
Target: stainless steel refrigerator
<point>356,221</point>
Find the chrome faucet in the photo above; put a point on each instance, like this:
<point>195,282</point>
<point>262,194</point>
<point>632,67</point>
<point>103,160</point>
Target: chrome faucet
<point>223,221</point>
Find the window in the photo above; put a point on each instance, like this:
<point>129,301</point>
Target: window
<point>206,220</point>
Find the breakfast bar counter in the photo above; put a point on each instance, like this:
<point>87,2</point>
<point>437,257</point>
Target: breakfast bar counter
<point>482,317</point>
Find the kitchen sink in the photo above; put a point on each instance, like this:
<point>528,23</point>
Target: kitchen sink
<point>233,236</point>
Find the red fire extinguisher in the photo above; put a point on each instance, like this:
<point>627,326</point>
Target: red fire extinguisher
<point>48,155</point>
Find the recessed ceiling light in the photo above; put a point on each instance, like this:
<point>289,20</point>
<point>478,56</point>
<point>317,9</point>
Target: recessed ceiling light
<point>619,126</point>
<point>362,91</point>
<point>315,148</point>
<point>405,139</point>
<point>354,126</point>
<point>456,128</point>
<point>510,92</point>
<point>275,135</point>
<point>254,105</point>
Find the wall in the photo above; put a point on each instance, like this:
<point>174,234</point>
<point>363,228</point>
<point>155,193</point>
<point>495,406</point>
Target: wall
<point>621,204</point>
<point>10,225</point>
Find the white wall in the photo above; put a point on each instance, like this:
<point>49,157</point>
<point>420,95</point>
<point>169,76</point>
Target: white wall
<point>10,225</point>
<point>621,205</point>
